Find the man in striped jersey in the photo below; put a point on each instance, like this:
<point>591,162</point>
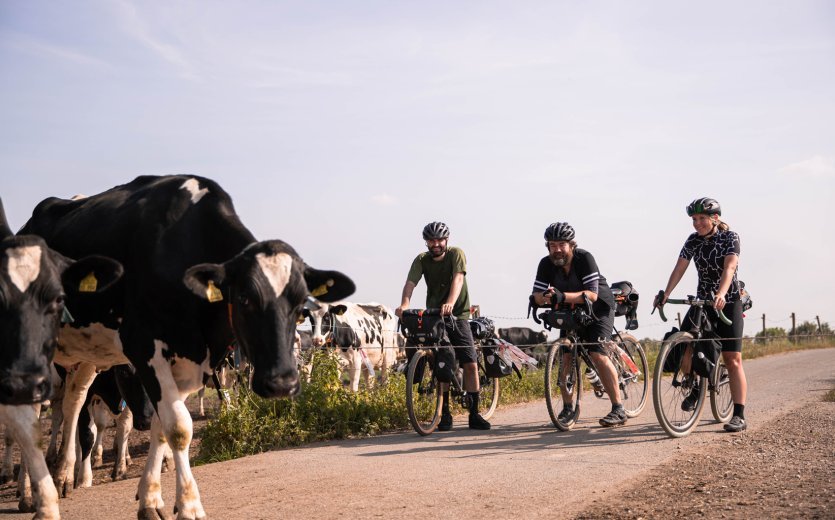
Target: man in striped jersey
<point>563,278</point>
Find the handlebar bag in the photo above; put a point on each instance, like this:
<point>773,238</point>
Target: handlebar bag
<point>423,328</point>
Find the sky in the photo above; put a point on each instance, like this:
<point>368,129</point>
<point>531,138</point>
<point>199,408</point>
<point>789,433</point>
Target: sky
<point>344,127</point>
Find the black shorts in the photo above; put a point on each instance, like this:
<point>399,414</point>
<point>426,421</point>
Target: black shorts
<point>733,331</point>
<point>461,339</point>
<point>601,329</point>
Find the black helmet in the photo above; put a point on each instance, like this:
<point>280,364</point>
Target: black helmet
<point>435,230</point>
<point>559,231</point>
<point>704,205</point>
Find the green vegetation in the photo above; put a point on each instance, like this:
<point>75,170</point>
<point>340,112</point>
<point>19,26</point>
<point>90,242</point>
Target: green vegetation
<point>830,396</point>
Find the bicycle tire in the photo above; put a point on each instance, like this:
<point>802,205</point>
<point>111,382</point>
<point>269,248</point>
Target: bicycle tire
<point>721,401</point>
<point>634,387</point>
<point>490,394</point>
<point>553,391</point>
<point>423,396</point>
<point>667,397</point>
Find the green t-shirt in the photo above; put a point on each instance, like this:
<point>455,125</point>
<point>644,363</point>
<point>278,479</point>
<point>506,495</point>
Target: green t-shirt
<point>439,279</point>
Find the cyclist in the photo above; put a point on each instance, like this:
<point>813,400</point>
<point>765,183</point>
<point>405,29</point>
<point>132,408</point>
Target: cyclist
<point>562,278</point>
<point>445,269</point>
<point>714,248</point>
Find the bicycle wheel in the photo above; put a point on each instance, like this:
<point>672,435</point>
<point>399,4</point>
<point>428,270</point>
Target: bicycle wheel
<point>423,393</point>
<point>571,386</point>
<point>670,389</point>
<point>633,385</point>
<point>721,401</point>
<point>489,393</point>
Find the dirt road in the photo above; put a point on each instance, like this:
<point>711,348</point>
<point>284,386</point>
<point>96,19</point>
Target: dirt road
<point>522,468</point>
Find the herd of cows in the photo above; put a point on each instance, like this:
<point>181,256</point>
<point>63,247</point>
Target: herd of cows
<point>148,284</point>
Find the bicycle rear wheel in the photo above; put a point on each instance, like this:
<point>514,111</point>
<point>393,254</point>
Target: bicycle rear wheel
<point>562,378</point>
<point>633,385</point>
<point>721,401</point>
<point>670,388</point>
<point>489,393</point>
<point>423,393</point>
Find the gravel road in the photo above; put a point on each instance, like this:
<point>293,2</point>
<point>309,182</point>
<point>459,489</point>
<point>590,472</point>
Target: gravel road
<point>524,467</point>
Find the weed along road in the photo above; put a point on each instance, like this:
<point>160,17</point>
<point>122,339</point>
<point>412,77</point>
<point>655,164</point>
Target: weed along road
<point>522,468</point>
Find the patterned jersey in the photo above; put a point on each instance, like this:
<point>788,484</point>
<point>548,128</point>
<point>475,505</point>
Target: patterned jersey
<point>709,256</point>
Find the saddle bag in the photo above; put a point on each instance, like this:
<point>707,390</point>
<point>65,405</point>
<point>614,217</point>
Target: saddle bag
<point>745,297</point>
<point>494,364</point>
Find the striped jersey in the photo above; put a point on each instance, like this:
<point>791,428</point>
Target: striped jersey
<point>583,275</point>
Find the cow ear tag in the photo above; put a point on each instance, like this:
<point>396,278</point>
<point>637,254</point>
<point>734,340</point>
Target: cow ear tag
<point>213,294</point>
<point>300,319</point>
<point>88,283</point>
<point>322,289</point>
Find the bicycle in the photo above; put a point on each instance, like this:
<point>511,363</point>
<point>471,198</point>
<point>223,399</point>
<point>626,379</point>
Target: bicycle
<point>670,391</point>
<point>425,330</point>
<point>625,352</point>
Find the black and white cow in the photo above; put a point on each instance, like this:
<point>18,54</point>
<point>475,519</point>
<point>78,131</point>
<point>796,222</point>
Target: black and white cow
<point>35,281</point>
<point>523,337</point>
<point>364,333</point>
<point>195,279</point>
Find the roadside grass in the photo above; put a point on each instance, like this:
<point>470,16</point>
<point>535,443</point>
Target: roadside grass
<point>326,410</point>
<point>830,396</point>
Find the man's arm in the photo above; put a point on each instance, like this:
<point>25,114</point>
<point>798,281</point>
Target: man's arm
<point>454,292</point>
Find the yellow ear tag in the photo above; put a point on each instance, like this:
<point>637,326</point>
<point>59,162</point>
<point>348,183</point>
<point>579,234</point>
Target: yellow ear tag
<point>88,283</point>
<point>322,289</point>
<point>213,294</point>
<point>300,319</point>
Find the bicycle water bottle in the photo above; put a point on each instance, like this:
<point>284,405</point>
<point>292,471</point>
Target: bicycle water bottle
<point>594,379</point>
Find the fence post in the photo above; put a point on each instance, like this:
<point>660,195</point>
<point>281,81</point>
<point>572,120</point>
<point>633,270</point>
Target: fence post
<point>820,332</point>
<point>765,338</point>
<point>794,330</point>
<point>678,317</point>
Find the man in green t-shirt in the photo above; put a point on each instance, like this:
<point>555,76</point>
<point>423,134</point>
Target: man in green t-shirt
<point>444,269</point>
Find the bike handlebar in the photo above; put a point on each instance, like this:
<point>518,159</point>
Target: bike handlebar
<point>693,302</point>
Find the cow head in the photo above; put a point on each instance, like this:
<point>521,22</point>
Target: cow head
<point>323,321</point>
<point>267,286</point>
<point>34,283</point>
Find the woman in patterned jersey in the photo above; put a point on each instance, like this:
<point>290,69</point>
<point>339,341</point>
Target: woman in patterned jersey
<point>714,248</point>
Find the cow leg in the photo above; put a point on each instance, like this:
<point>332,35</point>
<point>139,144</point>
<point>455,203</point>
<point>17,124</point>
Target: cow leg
<point>22,422</point>
<point>57,421</point>
<point>124,425</point>
<point>176,380</point>
<point>78,382</point>
<point>201,411</point>
<point>354,369</point>
<point>87,432</point>
<point>149,494</point>
<point>7,473</point>
<point>101,417</point>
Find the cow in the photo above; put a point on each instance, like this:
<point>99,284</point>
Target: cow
<point>364,334</point>
<point>523,336</point>
<point>195,281</point>
<point>116,393</point>
<point>36,282</point>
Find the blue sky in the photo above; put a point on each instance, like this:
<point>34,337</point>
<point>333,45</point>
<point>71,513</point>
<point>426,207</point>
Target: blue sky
<point>343,127</point>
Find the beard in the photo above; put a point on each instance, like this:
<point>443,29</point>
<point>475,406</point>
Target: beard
<point>559,260</point>
<point>436,251</point>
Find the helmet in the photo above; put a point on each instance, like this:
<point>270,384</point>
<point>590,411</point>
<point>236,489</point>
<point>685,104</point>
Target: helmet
<point>704,205</point>
<point>559,231</point>
<point>435,230</point>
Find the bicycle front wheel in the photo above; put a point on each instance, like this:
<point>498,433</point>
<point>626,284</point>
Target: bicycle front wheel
<point>562,380</point>
<point>489,393</point>
<point>634,385</point>
<point>721,401</point>
<point>670,388</point>
<point>423,393</point>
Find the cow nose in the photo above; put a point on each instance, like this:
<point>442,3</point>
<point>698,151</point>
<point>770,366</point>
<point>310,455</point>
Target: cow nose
<point>286,385</point>
<point>24,390</point>
<point>318,342</point>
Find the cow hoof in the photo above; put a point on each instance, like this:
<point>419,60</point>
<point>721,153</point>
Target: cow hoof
<point>26,505</point>
<point>64,487</point>
<point>151,513</point>
<point>118,475</point>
